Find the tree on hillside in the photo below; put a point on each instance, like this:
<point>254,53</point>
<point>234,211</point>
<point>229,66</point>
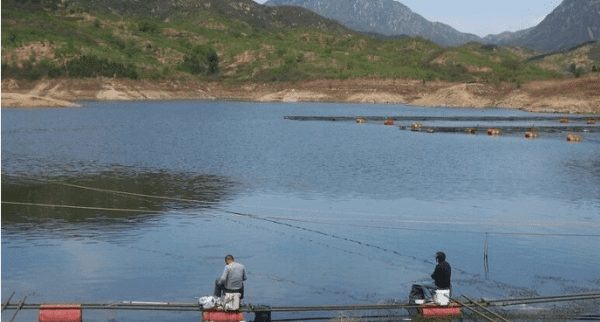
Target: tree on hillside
<point>202,59</point>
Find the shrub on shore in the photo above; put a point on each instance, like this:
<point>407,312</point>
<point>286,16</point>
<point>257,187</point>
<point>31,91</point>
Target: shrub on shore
<point>85,66</point>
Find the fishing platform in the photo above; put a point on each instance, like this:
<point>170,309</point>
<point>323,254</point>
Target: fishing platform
<point>70,312</point>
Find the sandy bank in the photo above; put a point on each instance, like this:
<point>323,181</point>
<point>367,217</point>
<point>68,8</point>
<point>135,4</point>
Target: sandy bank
<point>27,100</point>
<point>581,95</point>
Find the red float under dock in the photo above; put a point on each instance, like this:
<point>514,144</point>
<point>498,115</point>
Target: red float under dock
<point>221,316</point>
<point>434,311</point>
<point>60,313</point>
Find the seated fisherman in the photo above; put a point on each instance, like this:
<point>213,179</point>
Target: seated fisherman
<point>442,272</point>
<point>231,281</point>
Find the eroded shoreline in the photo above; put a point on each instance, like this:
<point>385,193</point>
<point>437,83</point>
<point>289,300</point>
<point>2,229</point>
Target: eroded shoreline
<point>581,95</point>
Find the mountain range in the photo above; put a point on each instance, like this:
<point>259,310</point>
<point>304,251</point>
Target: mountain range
<point>571,23</point>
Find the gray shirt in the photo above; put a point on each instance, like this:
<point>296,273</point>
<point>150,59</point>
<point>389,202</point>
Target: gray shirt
<point>233,276</point>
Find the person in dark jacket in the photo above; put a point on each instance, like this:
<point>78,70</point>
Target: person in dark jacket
<point>443,271</point>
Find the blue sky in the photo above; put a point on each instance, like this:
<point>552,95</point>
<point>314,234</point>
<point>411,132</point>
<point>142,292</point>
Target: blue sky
<point>482,17</point>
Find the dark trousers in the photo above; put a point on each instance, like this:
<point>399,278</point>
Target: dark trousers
<point>221,290</point>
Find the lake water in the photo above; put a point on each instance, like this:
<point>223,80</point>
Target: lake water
<point>318,212</point>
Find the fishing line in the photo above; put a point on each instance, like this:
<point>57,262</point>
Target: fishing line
<point>486,265</point>
<point>266,219</point>
<point>455,268</point>
<point>308,240</point>
<point>130,193</point>
<point>370,258</point>
<point>438,230</point>
<point>326,234</point>
<point>362,214</point>
<point>316,211</point>
<point>212,202</point>
<point>112,191</point>
<point>77,207</point>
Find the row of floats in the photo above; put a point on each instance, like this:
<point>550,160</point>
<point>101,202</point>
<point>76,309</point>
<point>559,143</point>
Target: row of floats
<point>530,133</point>
<point>590,121</point>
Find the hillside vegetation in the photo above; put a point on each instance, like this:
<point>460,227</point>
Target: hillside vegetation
<point>241,41</point>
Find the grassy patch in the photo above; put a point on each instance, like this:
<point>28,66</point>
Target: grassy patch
<point>209,45</point>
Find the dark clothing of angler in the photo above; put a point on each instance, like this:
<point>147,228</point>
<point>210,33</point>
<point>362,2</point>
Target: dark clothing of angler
<point>441,275</point>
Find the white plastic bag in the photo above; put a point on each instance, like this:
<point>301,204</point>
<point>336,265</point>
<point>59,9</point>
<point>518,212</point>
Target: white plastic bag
<point>207,302</point>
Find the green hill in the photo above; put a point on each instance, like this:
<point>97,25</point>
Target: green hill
<point>232,41</point>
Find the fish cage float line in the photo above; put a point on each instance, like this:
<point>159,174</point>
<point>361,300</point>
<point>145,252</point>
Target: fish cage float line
<point>588,317</point>
<point>363,119</point>
<point>370,215</point>
<point>496,130</point>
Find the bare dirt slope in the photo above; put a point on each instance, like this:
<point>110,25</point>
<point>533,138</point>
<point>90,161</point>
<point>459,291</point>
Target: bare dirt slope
<point>572,95</point>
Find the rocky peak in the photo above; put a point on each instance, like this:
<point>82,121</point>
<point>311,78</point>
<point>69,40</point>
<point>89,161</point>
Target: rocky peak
<point>385,17</point>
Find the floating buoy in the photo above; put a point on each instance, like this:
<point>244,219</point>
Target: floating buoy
<point>416,126</point>
<point>493,132</point>
<point>60,312</point>
<point>564,120</point>
<point>532,134</point>
<point>430,130</point>
<point>591,121</point>
<point>573,137</point>
<point>388,122</point>
<point>360,120</point>
<point>471,131</point>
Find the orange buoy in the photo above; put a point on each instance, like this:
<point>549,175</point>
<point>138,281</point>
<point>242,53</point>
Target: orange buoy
<point>573,137</point>
<point>416,126</point>
<point>360,120</point>
<point>493,132</point>
<point>591,121</point>
<point>532,134</point>
<point>564,120</point>
<point>388,122</point>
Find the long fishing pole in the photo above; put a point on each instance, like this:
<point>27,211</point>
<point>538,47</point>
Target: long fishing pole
<point>7,301</point>
<point>19,307</point>
<point>485,309</point>
<point>473,310</point>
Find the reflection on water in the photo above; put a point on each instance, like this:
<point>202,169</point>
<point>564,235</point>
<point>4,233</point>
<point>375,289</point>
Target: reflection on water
<point>96,204</point>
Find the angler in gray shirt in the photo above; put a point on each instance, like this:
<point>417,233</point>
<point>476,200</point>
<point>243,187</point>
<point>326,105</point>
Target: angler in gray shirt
<point>231,281</point>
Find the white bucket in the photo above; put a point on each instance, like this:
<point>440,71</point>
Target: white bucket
<point>441,297</point>
<point>232,301</point>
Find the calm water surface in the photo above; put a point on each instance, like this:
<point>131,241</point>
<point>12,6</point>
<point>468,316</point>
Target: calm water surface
<point>319,212</point>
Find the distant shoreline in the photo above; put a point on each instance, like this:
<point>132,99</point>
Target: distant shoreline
<point>579,95</point>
